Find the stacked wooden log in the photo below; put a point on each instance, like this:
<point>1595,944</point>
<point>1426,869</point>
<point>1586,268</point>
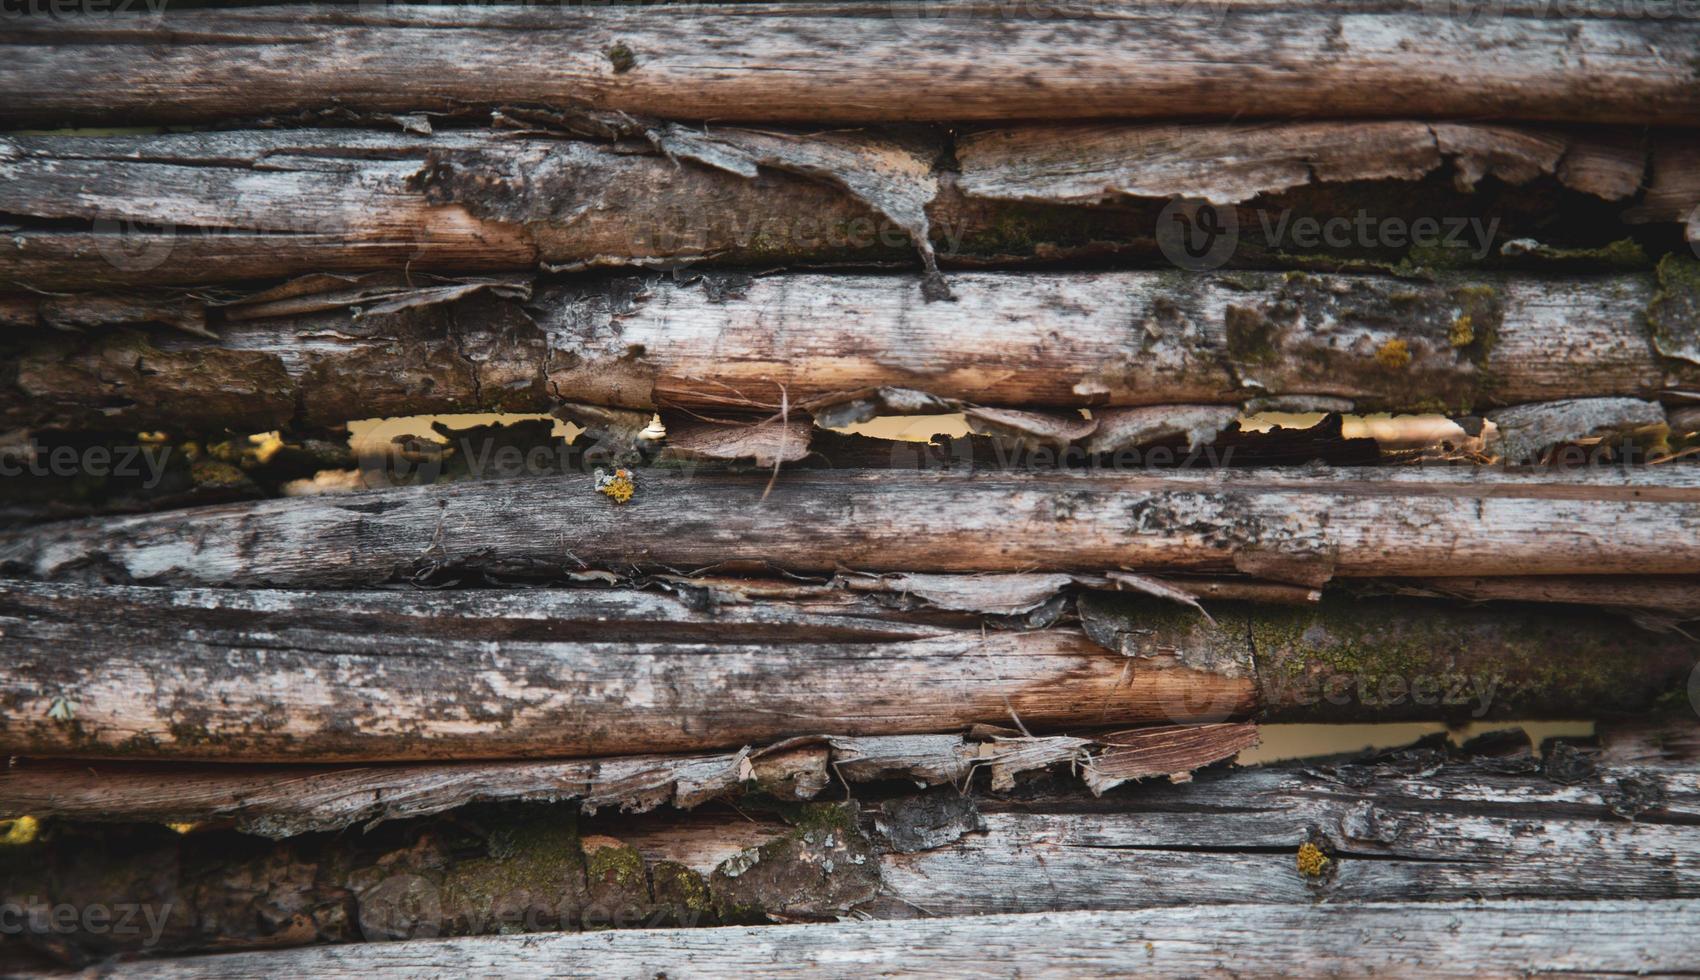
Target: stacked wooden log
<point>681,660</point>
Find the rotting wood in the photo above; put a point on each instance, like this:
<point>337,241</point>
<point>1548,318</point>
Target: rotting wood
<point>190,208</point>
<point>1454,345</point>
<point>785,62</point>
<point>1297,527</point>
<point>264,675</point>
<point>1489,821</point>
<point>1418,821</point>
<point>1525,433</point>
<point>1507,939</point>
<point>284,801</point>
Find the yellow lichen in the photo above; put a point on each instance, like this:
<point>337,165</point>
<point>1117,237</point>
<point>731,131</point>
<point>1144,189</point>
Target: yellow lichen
<point>1463,332</point>
<point>19,831</point>
<point>1393,355</point>
<point>1312,862</point>
<point>619,487</point>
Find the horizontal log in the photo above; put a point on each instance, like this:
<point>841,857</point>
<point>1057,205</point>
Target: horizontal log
<point>264,675</point>
<point>742,344</point>
<point>191,208</point>
<point>1462,939</point>
<point>1407,823</point>
<point>778,62</point>
<point>285,801</point>
<point>541,674</point>
<point>1444,825</point>
<point>1295,527</point>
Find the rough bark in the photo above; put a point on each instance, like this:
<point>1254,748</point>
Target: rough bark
<point>393,676</point>
<point>766,63</point>
<point>1231,164</point>
<point>280,676</point>
<point>285,801</point>
<point>742,344</point>
<point>1450,826</point>
<point>1407,823</point>
<point>192,208</point>
<point>1300,528</point>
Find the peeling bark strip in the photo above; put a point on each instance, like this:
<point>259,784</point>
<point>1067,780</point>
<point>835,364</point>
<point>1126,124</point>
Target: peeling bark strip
<point>1091,164</point>
<point>278,676</point>
<point>191,208</point>
<point>1299,528</point>
<point>284,801</point>
<point>780,62</point>
<point>1027,340</point>
<point>1464,939</point>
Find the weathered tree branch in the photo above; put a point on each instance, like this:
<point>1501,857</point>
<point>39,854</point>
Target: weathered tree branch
<point>268,675</point>
<point>284,801</point>
<point>778,62</point>
<point>1445,939</point>
<point>1295,527</point>
<point>191,208</point>
<point>1447,825</point>
<point>1079,339</point>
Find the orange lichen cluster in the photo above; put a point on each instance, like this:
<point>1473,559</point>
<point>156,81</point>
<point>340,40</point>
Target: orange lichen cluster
<point>619,487</point>
<point>1312,862</point>
<point>1393,355</point>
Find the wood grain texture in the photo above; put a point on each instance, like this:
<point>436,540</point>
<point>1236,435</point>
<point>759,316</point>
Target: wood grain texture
<point>284,801</point>
<point>1420,821</point>
<point>1037,339</point>
<point>1466,939</point>
<point>470,675</point>
<point>1347,522</point>
<point>268,675</point>
<point>847,62</point>
<point>195,208</point>
<point>1448,824</point>
<point>1089,163</point>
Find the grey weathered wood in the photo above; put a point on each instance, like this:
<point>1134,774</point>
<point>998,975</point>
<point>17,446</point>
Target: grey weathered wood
<point>1463,939</point>
<point>1294,526</point>
<point>846,62</point>
<point>1232,163</point>
<point>260,676</point>
<point>1040,339</point>
<point>271,675</point>
<point>1409,823</point>
<point>282,801</point>
<point>193,208</point>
